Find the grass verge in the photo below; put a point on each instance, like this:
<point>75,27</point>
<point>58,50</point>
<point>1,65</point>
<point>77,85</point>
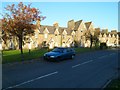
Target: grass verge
<point>15,56</point>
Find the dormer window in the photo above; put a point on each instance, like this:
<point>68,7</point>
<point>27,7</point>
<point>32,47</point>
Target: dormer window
<point>81,30</point>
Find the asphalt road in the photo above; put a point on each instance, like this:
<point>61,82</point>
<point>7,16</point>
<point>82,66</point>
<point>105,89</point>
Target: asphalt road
<point>87,70</point>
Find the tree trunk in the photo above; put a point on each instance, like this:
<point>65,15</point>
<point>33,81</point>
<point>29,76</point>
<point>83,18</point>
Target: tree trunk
<point>91,44</point>
<point>20,45</point>
<point>91,41</point>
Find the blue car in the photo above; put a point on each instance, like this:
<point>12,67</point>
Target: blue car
<point>60,53</point>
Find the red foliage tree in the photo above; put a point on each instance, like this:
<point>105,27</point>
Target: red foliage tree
<point>20,20</point>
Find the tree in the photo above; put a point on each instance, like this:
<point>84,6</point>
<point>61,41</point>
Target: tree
<point>20,20</point>
<point>96,37</point>
<point>93,37</point>
<point>89,36</point>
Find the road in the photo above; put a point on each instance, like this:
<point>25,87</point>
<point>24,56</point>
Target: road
<point>87,70</point>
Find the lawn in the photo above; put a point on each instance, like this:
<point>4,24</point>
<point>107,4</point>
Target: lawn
<point>15,56</point>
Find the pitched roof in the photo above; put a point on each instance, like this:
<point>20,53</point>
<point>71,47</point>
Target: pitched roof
<point>77,24</point>
<point>87,24</point>
<point>51,29</point>
<point>42,28</point>
<point>61,29</point>
<point>69,31</point>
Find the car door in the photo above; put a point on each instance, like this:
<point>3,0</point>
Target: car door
<point>64,54</point>
<point>68,53</point>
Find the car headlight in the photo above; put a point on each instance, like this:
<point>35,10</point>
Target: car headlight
<point>52,56</point>
<point>44,54</point>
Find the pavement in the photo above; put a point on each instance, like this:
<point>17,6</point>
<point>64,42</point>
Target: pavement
<point>86,70</point>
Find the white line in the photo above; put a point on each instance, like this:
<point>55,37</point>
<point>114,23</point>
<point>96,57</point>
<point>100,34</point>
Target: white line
<point>103,56</point>
<point>112,53</point>
<point>31,80</point>
<point>106,55</point>
<point>81,64</point>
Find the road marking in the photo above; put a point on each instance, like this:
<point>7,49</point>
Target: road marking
<point>103,56</point>
<point>81,63</point>
<point>31,80</point>
<point>106,55</point>
<point>112,53</point>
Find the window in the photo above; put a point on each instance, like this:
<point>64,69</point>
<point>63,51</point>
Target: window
<point>55,34</point>
<point>45,35</point>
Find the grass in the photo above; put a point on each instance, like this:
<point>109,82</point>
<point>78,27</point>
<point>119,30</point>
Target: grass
<point>15,56</point>
<point>114,84</point>
<point>82,50</point>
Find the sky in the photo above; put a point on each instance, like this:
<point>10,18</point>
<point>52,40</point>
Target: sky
<point>102,14</point>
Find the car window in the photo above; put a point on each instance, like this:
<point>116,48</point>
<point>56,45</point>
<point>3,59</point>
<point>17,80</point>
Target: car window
<point>69,50</point>
<point>57,50</point>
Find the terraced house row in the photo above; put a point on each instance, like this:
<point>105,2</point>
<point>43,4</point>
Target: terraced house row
<point>55,36</point>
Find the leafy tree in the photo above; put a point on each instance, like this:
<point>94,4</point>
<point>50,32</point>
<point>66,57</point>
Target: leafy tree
<point>93,37</point>
<point>20,20</point>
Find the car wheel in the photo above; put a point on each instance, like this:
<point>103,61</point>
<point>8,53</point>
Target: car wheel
<point>72,57</point>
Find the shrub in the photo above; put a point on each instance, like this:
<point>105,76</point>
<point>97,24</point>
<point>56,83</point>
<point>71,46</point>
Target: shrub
<point>103,46</point>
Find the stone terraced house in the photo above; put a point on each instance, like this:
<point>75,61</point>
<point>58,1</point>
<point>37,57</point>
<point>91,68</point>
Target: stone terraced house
<point>56,36</point>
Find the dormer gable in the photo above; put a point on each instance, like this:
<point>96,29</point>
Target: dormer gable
<point>113,35</point>
<point>100,35</point>
<point>109,35</point>
<point>56,32</point>
<point>104,35</point>
<point>64,32</point>
<point>73,32</point>
<point>46,30</point>
<point>117,36</point>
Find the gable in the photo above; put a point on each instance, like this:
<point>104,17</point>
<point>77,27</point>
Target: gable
<point>46,30</point>
<point>64,32</point>
<point>73,32</point>
<point>82,27</point>
<point>56,31</point>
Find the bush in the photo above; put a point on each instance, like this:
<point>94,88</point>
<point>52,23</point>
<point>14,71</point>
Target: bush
<point>103,46</point>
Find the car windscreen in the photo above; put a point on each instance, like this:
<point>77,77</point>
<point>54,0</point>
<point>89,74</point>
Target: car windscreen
<point>58,50</point>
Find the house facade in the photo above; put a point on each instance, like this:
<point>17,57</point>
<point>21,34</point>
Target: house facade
<point>56,36</point>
